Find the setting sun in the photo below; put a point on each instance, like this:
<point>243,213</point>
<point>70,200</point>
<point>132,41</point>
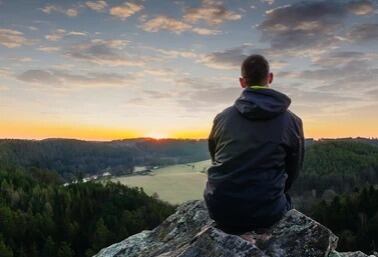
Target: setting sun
<point>157,135</point>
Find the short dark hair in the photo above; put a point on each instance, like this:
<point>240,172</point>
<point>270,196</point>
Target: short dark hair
<point>255,69</point>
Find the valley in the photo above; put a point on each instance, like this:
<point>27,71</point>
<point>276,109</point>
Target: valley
<point>174,184</point>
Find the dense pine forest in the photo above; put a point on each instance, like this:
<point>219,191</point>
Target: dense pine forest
<point>332,167</point>
<point>41,218</point>
<point>353,217</point>
<point>338,188</point>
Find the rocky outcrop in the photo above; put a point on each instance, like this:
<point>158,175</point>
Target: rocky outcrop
<point>191,233</point>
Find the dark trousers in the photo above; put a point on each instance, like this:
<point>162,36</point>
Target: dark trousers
<point>235,228</point>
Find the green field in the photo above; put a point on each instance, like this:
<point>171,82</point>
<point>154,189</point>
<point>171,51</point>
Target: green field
<point>175,184</point>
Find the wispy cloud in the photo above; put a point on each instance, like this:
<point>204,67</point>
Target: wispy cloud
<point>5,72</point>
<point>364,32</point>
<point>61,33</point>
<point>311,24</point>
<point>49,49</point>
<point>50,8</point>
<point>270,2</point>
<point>126,10</point>
<point>163,22</point>
<point>206,32</point>
<point>212,12</point>
<point>361,7</point>
<point>12,38</point>
<point>167,53</point>
<point>104,52</point>
<point>228,59</point>
<point>342,58</point>
<point>97,6</point>
<point>176,26</point>
<point>61,78</point>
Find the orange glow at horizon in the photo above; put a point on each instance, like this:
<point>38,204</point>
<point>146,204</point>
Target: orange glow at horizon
<point>29,130</point>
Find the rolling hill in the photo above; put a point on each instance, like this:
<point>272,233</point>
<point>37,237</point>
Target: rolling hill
<point>73,157</point>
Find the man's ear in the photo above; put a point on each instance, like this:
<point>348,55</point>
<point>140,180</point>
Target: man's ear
<point>270,78</point>
<point>243,82</point>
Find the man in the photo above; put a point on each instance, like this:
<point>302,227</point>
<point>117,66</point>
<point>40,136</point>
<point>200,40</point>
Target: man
<point>257,148</point>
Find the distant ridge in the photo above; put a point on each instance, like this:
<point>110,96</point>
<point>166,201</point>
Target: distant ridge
<point>71,157</point>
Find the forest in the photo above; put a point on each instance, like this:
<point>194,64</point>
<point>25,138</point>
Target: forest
<point>41,218</point>
<point>333,167</point>
<point>72,158</point>
<point>353,217</point>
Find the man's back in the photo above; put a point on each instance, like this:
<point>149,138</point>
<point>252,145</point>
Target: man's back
<point>256,147</point>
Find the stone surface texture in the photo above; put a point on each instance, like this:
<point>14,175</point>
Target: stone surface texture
<point>189,232</point>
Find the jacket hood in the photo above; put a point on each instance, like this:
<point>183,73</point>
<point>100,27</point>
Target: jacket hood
<point>262,103</point>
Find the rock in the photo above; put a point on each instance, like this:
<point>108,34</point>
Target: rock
<point>189,232</point>
<point>349,254</point>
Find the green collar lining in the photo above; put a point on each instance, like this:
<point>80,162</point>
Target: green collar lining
<point>258,87</point>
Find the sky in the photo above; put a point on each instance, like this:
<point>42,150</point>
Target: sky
<point>103,70</point>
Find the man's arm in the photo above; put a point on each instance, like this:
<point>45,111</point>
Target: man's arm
<point>211,142</point>
<point>294,158</point>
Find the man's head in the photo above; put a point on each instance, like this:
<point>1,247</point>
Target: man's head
<point>255,72</point>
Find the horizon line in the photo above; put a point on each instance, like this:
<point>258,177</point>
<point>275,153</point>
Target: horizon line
<point>168,138</point>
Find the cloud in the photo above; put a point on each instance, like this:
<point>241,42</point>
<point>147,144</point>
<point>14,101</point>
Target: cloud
<point>162,73</point>
<point>76,33</point>
<point>97,6</point>
<point>206,32</point>
<point>61,33</point>
<point>162,22</point>
<point>212,12</point>
<point>72,12</point>
<point>232,58</point>
<point>38,76</point>
<point>192,93</point>
<point>209,99</point>
<point>20,59</point>
<point>48,49</point>
<point>5,72</point>
<point>303,25</point>
<point>354,76</point>
<point>12,38</point>
<point>270,2</point>
<point>364,32</point>
<point>312,25</point>
<point>61,78</point>
<point>104,52</point>
<point>176,53</point>
<point>361,7</point>
<point>372,94</point>
<point>157,94</point>
<point>342,58</point>
<point>195,83</point>
<point>228,59</point>
<point>126,10</point>
<point>50,8</point>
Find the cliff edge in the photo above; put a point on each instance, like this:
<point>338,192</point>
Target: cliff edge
<point>189,232</point>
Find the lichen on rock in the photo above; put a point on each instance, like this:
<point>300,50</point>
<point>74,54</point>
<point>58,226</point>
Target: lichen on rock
<point>190,232</point>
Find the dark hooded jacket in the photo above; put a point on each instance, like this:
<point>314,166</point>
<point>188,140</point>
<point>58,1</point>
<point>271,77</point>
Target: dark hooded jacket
<point>257,148</point>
